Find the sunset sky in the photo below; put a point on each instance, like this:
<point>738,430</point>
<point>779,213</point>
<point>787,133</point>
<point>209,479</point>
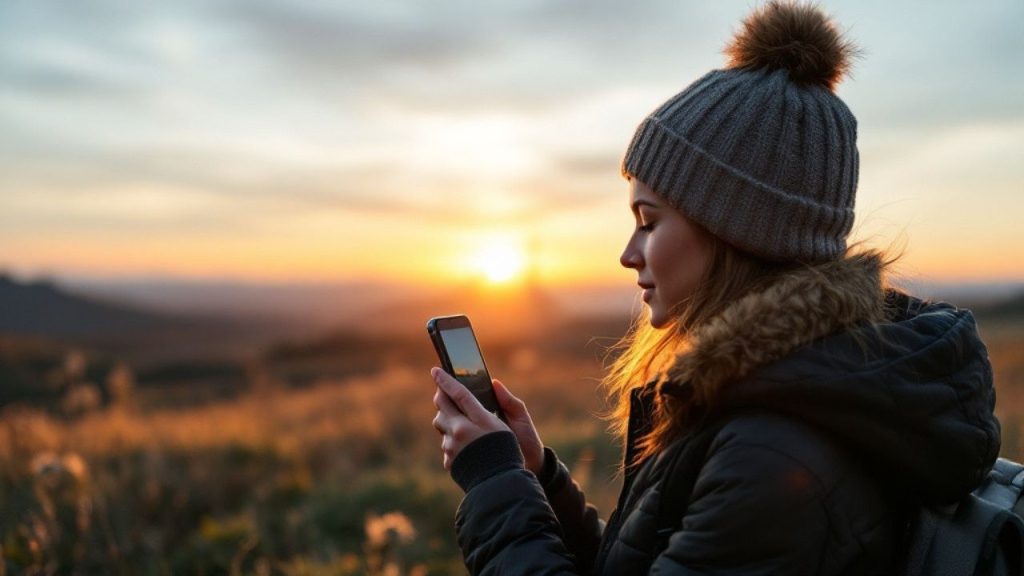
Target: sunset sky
<point>275,140</point>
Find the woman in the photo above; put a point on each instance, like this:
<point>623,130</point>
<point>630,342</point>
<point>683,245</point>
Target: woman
<point>782,409</point>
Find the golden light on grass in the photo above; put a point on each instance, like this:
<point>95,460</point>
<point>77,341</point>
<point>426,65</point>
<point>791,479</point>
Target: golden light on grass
<point>500,259</point>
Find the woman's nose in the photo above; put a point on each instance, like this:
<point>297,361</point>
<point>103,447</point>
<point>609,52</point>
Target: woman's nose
<point>630,257</point>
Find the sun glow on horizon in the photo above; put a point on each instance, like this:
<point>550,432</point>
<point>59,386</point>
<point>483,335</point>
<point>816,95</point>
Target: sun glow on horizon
<point>500,260</point>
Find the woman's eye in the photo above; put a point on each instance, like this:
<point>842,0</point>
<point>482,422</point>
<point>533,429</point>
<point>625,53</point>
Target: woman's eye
<point>646,227</point>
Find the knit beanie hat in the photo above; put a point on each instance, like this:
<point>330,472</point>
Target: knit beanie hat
<point>762,153</point>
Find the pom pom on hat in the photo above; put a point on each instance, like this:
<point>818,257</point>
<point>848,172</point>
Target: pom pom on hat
<point>794,36</point>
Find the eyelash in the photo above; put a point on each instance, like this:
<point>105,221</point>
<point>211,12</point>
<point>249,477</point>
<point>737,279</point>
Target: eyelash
<point>645,227</point>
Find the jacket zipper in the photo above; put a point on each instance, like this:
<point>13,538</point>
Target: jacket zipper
<point>639,421</point>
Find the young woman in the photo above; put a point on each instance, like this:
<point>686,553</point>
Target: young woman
<point>782,408</point>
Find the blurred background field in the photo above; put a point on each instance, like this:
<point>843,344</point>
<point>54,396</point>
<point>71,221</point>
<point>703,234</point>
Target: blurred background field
<point>299,456</point>
<point>295,455</point>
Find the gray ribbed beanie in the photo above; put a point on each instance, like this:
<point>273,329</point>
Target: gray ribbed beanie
<point>762,153</point>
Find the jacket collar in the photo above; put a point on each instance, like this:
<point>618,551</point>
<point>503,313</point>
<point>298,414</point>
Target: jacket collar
<point>760,327</point>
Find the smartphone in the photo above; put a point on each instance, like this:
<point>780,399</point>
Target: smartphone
<point>460,356</point>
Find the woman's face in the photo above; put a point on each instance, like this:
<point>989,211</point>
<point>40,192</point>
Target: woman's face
<point>667,250</point>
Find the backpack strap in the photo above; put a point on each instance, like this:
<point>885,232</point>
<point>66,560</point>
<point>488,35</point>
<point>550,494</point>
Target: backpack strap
<point>972,539</point>
<point>683,466</point>
<point>981,534</point>
<point>1004,485</point>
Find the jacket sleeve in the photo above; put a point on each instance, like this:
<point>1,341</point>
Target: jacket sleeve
<point>753,510</point>
<point>505,524</point>
<point>580,523</point>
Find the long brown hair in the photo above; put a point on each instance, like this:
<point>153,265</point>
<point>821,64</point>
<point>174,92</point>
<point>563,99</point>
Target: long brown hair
<point>644,352</point>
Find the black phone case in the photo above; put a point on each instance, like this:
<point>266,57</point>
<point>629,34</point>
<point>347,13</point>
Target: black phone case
<point>486,397</point>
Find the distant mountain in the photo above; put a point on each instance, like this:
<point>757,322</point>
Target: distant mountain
<point>50,311</point>
<point>44,309</point>
<point>317,305</point>
<point>374,305</point>
<point>973,295</point>
<point>1008,310</point>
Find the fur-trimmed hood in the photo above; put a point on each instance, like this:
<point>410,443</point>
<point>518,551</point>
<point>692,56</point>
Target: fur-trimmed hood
<point>904,383</point>
<point>763,326</point>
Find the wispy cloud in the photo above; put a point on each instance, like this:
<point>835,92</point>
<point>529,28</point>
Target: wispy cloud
<point>205,118</point>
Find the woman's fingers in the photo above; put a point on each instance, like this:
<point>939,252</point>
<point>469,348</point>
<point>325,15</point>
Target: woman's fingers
<point>443,403</point>
<point>446,457</point>
<point>459,395</point>
<point>518,418</point>
<point>447,420</point>
<point>460,418</point>
<point>440,423</point>
<point>512,407</point>
<point>452,442</point>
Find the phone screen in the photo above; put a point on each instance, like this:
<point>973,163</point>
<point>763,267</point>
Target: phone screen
<point>467,363</point>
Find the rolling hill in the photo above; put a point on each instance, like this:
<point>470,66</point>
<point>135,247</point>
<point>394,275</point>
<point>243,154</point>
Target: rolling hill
<point>44,309</point>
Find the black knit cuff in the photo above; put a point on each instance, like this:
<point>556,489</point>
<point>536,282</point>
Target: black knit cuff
<point>486,456</point>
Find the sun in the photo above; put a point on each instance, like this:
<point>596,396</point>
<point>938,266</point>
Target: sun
<point>500,260</point>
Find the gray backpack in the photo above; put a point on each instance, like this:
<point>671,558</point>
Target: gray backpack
<point>982,534</point>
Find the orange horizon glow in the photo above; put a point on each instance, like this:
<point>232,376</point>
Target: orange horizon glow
<point>572,248</point>
<point>557,270</point>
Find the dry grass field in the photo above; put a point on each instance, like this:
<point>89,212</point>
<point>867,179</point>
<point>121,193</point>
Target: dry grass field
<point>1006,351</point>
<point>339,476</point>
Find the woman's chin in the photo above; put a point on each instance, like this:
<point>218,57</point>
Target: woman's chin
<point>658,319</point>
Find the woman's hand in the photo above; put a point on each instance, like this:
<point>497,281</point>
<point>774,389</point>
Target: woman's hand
<point>461,419</point>
<point>522,425</point>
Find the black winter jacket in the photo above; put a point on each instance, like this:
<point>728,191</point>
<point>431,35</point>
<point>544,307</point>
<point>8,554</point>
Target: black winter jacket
<point>841,417</point>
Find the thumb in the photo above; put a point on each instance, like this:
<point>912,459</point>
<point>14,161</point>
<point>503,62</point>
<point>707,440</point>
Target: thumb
<point>510,405</point>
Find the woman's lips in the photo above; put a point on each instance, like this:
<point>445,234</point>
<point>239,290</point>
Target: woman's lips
<point>648,293</point>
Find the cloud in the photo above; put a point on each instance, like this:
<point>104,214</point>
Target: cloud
<point>235,112</point>
<point>946,65</point>
<point>459,55</point>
